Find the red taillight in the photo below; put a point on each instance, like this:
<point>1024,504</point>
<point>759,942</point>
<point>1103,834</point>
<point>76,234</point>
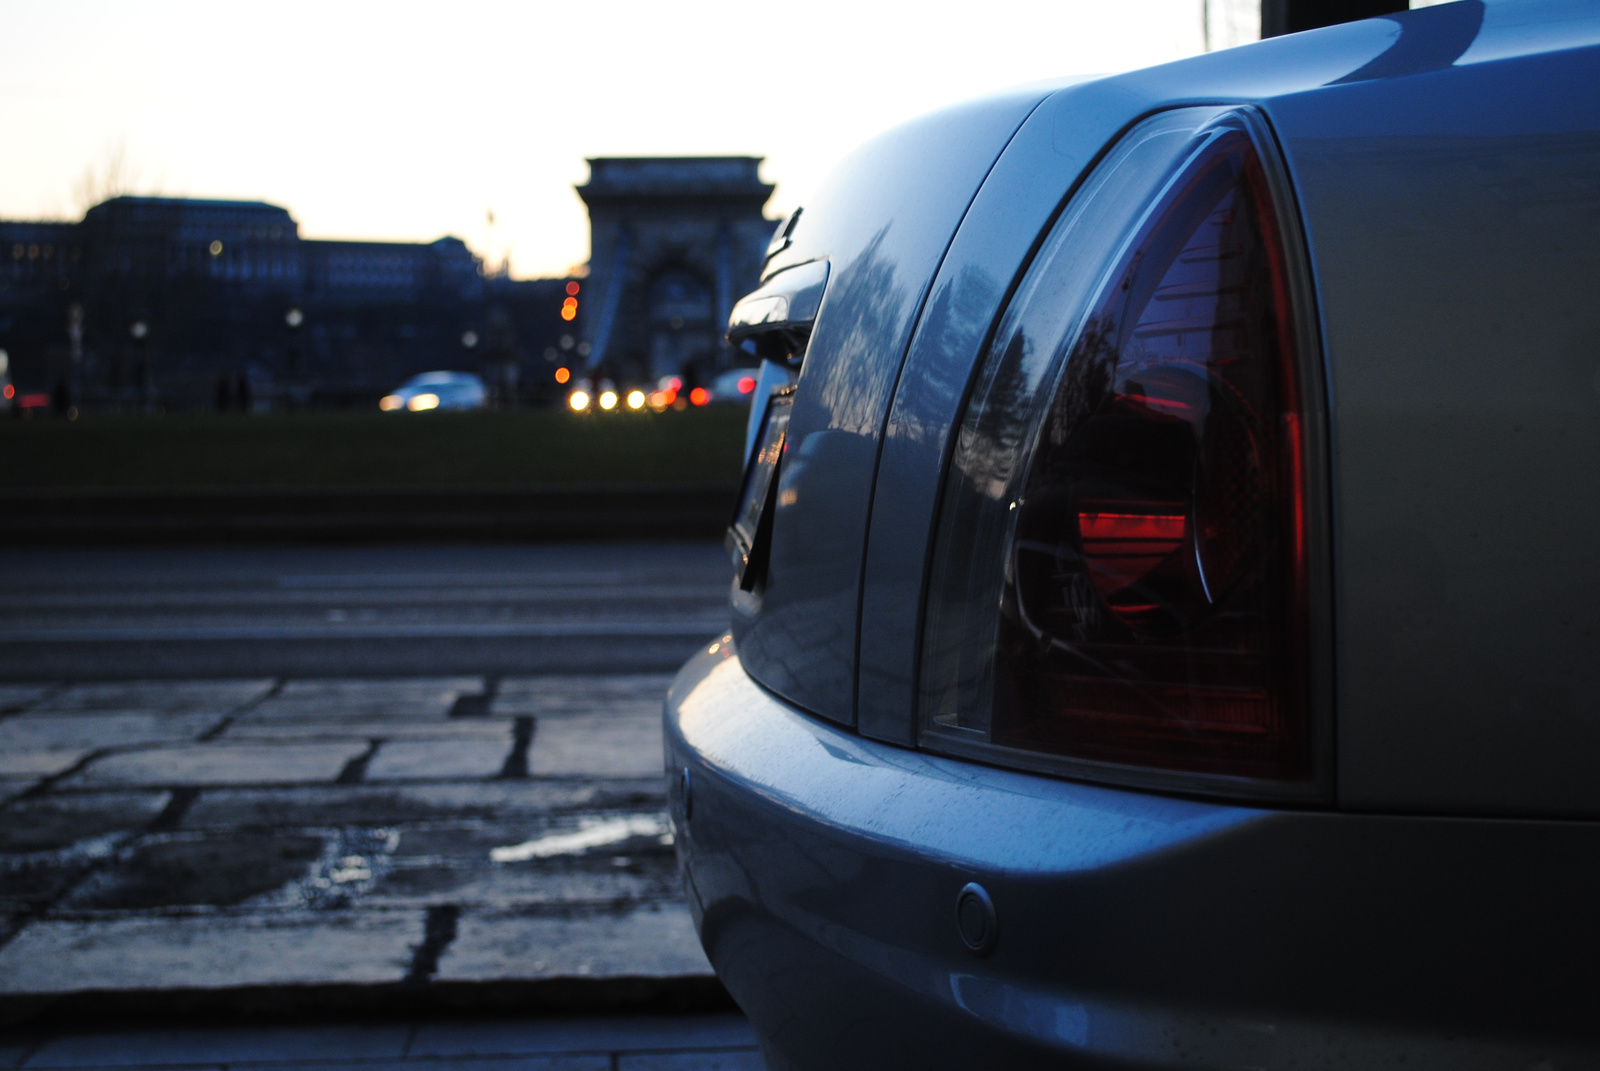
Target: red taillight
<point>746,384</point>
<point>1153,602</point>
<point>699,396</point>
<point>1157,561</point>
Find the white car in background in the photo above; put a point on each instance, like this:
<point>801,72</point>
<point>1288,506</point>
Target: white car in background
<point>436,390</point>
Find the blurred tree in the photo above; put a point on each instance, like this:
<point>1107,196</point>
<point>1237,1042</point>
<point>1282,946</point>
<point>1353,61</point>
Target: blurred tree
<point>112,175</point>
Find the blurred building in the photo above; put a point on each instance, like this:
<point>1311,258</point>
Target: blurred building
<point>178,302</point>
<point>674,242</point>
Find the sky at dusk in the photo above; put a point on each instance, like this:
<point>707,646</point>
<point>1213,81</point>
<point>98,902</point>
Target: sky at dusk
<point>409,121</point>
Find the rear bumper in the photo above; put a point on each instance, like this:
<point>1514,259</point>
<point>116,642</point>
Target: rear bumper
<point>823,869</point>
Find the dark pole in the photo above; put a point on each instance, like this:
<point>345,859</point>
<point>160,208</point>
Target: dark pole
<point>1279,17</point>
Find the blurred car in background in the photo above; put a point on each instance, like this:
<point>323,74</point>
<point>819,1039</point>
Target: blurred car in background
<point>437,390</point>
<point>1166,606</point>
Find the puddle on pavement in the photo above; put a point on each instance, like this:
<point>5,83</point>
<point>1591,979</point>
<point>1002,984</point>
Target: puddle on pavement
<point>594,831</point>
<point>31,878</point>
<point>188,870</point>
<point>351,862</point>
<point>516,803</point>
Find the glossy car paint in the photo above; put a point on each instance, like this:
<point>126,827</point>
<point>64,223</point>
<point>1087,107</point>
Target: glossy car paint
<point>883,222</point>
<point>1457,253</point>
<point>1446,180</point>
<point>1465,632</point>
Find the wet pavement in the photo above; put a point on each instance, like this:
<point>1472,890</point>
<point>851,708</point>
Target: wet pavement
<point>210,834</point>
<point>351,770</point>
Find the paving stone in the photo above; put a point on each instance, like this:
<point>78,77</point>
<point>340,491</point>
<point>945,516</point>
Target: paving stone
<point>606,1033</point>
<point>364,727</point>
<point>221,763</point>
<point>657,940</point>
<point>575,694</point>
<point>334,805</point>
<point>618,746</point>
<point>429,697</point>
<point>211,697</point>
<point>737,1060</point>
<point>20,697</point>
<point>182,870</point>
<point>209,951</point>
<point>140,1048</point>
<point>58,730</point>
<point>39,762</point>
<point>49,823</point>
<point>475,757</point>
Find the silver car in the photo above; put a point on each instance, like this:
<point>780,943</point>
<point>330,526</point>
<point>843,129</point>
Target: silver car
<point>1166,629</point>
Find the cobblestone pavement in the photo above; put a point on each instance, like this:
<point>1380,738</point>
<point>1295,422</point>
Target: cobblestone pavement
<point>634,1043</point>
<point>202,834</point>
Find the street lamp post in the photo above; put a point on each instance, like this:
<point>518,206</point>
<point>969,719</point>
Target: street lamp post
<point>294,318</point>
<point>140,331</point>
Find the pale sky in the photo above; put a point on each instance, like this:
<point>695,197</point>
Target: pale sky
<point>407,121</point>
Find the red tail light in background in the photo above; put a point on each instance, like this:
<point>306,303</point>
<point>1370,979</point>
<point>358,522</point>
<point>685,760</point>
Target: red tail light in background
<point>1153,608</point>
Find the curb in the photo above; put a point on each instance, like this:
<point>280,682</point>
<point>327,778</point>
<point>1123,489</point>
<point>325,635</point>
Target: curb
<point>90,517</point>
<point>678,995</point>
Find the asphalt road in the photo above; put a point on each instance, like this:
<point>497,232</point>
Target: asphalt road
<point>120,613</point>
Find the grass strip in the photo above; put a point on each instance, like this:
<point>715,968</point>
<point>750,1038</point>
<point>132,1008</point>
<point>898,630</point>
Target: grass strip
<point>317,450</point>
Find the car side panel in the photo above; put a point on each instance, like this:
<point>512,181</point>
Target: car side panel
<point>883,223</point>
<point>1015,205</point>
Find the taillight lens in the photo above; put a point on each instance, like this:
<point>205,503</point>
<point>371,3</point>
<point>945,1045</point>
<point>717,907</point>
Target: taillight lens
<point>1139,434</point>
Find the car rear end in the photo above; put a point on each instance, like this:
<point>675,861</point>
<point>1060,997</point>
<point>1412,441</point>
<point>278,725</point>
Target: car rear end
<point>1164,630</point>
